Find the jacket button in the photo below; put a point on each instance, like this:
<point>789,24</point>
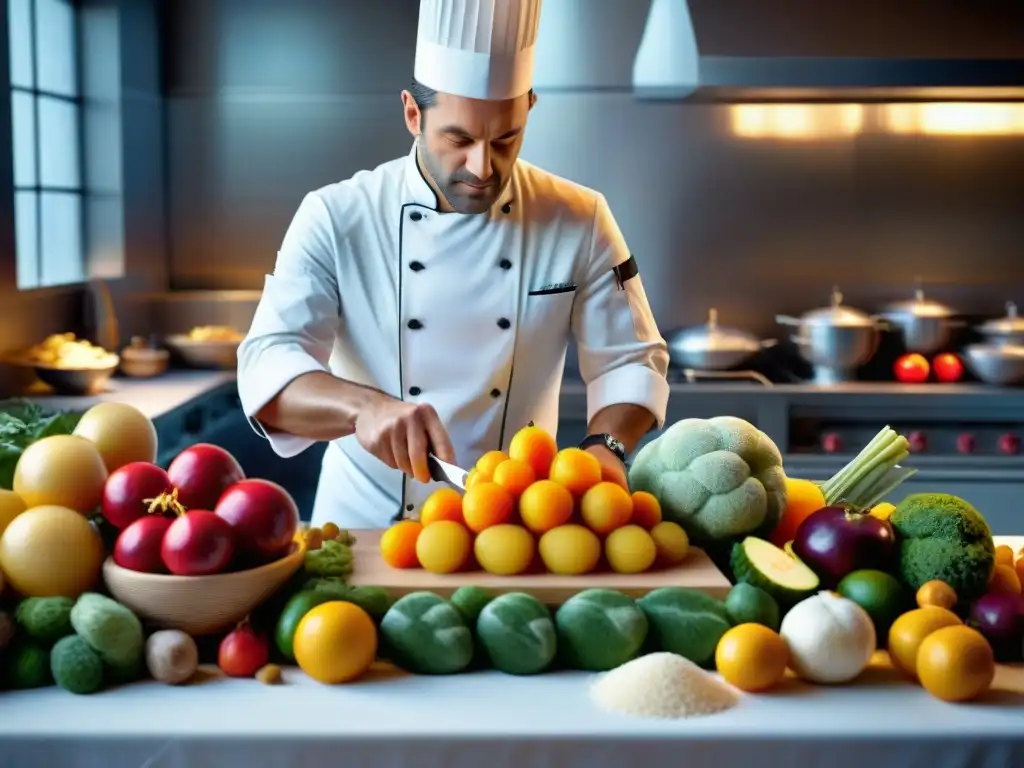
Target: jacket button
<point>505,264</point>
<point>415,215</point>
<point>416,266</point>
<point>414,324</point>
<point>504,324</point>
<point>414,391</point>
<point>495,393</point>
<point>506,208</point>
<point>410,507</point>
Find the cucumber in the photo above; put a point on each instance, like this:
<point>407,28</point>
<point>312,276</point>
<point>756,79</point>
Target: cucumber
<point>765,566</point>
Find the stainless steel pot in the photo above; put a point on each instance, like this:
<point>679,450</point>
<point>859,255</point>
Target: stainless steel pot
<point>926,325</point>
<point>835,340</point>
<point>710,347</point>
<point>1005,330</point>
<point>1000,363</point>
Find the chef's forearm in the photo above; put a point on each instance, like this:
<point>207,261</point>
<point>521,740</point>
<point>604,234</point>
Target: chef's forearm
<point>625,421</point>
<point>318,406</point>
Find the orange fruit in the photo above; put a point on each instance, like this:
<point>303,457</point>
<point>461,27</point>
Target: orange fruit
<point>605,507</point>
<point>646,510</point>
<point>1004,554</point>
<point>545,505</point>
<point>803,498</point>
<point>569,550</point>
<point>488,463</point>
<point>1004,581</point>
<point>335,642</point>
<point>575,469</point>
<point>532,445</point>
<point>909,630</point>
<point>956,663</point>
<point>752,657</point>
<point>471,478</point>
<point>486,504</point>
<point>671,543</point>
<point>398,544</point>
<point>444,547</point>
<point>630,549</point>
<point>514,476</point>
<point>1019,568</point>
<point>442,504</point>
<point>937,593</point>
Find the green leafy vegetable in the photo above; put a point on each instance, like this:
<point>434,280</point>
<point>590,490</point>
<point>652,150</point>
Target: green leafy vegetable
<point>332,559</point>
<point>22,423</point>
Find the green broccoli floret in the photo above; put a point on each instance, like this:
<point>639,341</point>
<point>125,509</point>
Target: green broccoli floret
<point>332,559</point>
<point>943,537</point>
<point>718,478</point>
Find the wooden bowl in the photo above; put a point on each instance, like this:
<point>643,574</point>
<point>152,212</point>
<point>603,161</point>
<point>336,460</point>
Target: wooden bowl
<point>76,381</point>
<point>204,354</point>
<point>199,605</point>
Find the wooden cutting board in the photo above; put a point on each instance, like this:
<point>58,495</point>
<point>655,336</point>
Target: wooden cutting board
<point>369,570</point>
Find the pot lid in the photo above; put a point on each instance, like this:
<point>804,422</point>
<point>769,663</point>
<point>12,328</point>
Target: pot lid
<point>711,337</point>
<point>920,306</point>
<point>838,315</point>
<point>1010,324</point>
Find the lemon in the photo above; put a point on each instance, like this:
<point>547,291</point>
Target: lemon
<point>671,542</point>
<point>504,550</point>
<point>444,546</point>
<point>335,642</point>
<point>630,549</point>
<point>570,550</point>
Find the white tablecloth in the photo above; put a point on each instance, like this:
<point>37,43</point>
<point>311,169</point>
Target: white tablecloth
<point>498,721</point>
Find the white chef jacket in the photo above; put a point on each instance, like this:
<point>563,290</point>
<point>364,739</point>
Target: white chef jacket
<point>471,313</point>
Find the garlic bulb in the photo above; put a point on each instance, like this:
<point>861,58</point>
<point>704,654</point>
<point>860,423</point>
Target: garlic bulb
<point>831,639</point>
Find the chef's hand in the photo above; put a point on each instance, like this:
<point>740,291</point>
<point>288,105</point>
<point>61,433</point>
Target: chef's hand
<point>612,469</point>
<point>401,434</point>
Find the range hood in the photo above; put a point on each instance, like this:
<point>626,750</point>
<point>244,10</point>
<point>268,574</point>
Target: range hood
<point>787,50</point>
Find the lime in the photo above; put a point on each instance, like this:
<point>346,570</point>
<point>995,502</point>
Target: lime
<point>880,594</point>
<point>747,604</point>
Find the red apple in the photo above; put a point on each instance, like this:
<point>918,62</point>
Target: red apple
<point>138,546</point>
<point>202,473</point>
<point>948,368</point>
<point>198,543</point>
<point>912,369</point>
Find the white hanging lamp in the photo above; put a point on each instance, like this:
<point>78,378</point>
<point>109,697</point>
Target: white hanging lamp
<point>667,64</point>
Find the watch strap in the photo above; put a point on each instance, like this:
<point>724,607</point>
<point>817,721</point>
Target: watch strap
<point>608,441</point>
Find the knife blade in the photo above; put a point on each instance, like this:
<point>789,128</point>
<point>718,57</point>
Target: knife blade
<point>443,472</point>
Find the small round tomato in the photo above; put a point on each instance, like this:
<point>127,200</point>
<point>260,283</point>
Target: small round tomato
<point>947,367</point>
<point>243,652</point>
<point>912,369</point>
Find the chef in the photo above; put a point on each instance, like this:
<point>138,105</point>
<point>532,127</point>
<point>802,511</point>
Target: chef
<point>427,304</point>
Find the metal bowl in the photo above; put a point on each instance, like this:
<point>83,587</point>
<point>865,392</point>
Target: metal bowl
<point>925,324</point>
<point>999,363</point>
<point>712,347</point>
<point>204,354</point>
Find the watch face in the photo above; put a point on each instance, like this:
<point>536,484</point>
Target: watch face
<point>615,445</point>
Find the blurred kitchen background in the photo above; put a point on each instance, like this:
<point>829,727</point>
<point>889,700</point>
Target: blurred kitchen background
<point>159,150</point>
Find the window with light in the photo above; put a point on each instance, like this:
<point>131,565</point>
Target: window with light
<point>46,116</point>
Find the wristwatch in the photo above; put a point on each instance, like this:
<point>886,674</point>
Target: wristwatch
<point>610,442</point>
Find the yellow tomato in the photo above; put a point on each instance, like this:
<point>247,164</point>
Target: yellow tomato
<point>752,657</point>
<point>61,470</point>
<point>956,663</point>
<point>504,550</point>
<point>909,630</point>
<point>570,550</point>
<point>11,505</point>
<point>335,642</point>
<point>50,551</point>
<point>630,549</point>
<point>121,432</point>
<point>443,547</point>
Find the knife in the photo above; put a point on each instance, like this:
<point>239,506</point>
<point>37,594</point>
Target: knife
<point>443,472</point>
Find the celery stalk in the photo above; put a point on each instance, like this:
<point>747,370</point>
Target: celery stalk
<point>871,469</point>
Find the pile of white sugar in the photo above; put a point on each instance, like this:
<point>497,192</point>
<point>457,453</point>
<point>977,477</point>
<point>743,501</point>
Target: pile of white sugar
<point>662,685</point>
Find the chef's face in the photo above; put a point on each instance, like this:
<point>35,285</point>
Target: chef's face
<point>468,146</point>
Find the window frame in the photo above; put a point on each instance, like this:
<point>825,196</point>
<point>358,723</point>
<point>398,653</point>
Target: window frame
<point>39,189</point>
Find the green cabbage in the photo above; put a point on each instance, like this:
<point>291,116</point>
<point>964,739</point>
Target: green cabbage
<point>718,478</point>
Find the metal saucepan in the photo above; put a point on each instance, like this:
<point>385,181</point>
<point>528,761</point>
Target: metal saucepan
<point>1006,330</point>
<point>711,347</point>
<point>835,340</point>
<point>999,363</point>
<point>925,324</point>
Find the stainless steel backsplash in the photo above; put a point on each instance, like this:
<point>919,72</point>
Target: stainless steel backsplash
<point>753,226</point>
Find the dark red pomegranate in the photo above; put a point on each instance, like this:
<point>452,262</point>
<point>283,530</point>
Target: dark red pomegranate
<point>202,473</point>
<point>198,543</point>
<point>130,490</point>
<point>263,516</point>
<point>137,547</point>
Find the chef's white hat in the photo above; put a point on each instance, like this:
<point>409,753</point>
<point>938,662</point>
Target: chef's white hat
<point>480,49</point>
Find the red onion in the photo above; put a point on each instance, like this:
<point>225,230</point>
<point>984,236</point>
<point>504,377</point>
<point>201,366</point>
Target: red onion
<point>837,540</point>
